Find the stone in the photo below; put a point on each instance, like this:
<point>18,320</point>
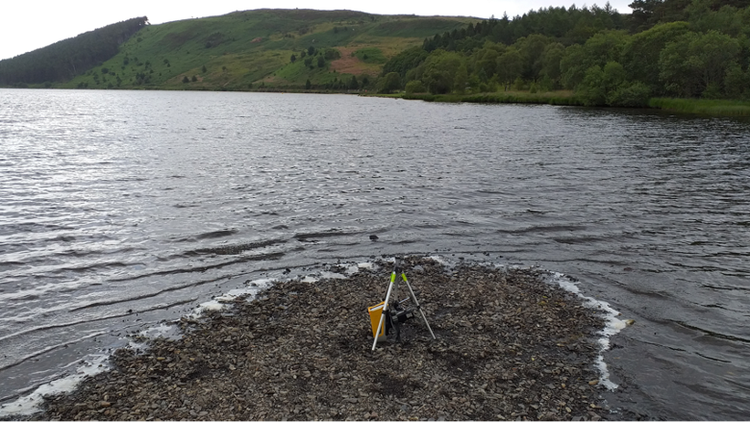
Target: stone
<point>285,361</point>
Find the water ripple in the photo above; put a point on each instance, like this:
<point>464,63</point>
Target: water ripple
<point>126,208</point>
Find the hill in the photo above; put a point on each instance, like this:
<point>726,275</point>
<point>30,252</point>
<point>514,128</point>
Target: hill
<point>268,48</point>
<point>68,58</point>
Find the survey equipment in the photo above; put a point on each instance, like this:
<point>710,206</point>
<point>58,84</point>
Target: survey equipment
<point>391,313</point>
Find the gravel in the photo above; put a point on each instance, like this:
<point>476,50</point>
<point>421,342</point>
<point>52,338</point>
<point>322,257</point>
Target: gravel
<point>509,347</point>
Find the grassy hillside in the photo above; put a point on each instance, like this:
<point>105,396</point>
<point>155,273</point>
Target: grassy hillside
<point>253,49</point>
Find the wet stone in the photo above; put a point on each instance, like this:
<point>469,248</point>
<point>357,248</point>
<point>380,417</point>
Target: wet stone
<point>503,352</point>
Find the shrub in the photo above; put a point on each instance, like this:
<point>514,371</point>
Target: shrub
<point>632,95</point>
<point>415,86</point>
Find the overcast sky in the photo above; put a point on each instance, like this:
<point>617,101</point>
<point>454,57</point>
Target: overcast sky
<point>28,25</point>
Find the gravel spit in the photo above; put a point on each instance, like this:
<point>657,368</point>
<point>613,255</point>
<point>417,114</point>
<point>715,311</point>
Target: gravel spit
<point>508,347</point>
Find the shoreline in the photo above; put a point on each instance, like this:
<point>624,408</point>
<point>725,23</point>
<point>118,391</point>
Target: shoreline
<point>687,106</point>
<point>508,346</point>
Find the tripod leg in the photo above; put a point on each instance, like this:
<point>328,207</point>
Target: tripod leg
<point>416,303</point>
<point>425,322</point>
<point>385,310</point>
<point>380,325</point>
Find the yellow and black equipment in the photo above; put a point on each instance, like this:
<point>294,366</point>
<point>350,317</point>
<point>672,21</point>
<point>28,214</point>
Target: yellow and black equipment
<point>390,315</point>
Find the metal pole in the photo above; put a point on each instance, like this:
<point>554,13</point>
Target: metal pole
<point>385,309</point>
<point>414,298</point>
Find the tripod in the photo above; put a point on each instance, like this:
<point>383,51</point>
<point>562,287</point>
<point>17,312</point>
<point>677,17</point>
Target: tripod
<point>393,314</point>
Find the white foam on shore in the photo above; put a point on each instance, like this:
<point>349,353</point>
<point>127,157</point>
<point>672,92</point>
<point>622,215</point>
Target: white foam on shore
<point>350,270</point>
<point>309,279</point>
<point>439,259</point>
<point>30,404</point>
<point>612,326</point>
<point>163,330</point>
<point>220,302</point>
<point>97,363</point>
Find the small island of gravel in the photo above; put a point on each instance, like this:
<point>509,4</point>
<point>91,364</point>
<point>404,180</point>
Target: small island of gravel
<point>509,347</point>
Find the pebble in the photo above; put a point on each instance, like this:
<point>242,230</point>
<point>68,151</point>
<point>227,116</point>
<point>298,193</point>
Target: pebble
<point>503,351</point>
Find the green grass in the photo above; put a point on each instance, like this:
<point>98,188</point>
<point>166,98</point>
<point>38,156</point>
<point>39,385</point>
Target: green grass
<point>371,55</point>
<point>700,106</point>
<point>251,47</point>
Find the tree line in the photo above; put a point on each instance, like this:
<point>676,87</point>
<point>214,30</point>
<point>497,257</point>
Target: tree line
<point>681,48</point>
<point>68,58</point>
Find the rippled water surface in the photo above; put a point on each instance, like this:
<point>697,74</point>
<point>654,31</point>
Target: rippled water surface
<point>121,209</point>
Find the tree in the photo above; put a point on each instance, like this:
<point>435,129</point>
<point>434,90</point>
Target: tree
<point>591,90</point>
<point>643,13</point>
<point>311,51</point>
<point>550,62</point>
<point>640,55</point>
<point>647,13</point>
<point>353,84</point>
<point>737,82</point>
<point>332,54</point>
<point>321,61</point>
<point>608,86</point>
<point>695,63</point>
<point>405,61</point>
<point>390,82</point>
<point>308,84</point>
<point>460,79</point>
<point>531,49</point>
<point>572,66</point>
<point>293,58</point>
<point>509,67</point>
<point>415,86</point>
<point>614,75</point>
<point>726,19</point>
<point>603,47</point>
<point>439,71</point>
<point>486,60</point>
<point>635,94</point>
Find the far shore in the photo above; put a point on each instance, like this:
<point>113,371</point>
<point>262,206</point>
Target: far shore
<point>691,106</point>
<point>694,106</point>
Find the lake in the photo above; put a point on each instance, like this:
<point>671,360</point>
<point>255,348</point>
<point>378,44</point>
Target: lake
<point>122,210</point>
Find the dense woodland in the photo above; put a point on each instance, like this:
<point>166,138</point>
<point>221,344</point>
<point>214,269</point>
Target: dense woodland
<point>65,59</point>
<point>679,48</point>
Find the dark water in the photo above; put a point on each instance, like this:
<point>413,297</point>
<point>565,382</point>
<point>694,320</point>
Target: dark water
<point>121,209</point>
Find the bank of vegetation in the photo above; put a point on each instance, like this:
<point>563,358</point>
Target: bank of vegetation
<point>688,50</point>
<point>667,54</point>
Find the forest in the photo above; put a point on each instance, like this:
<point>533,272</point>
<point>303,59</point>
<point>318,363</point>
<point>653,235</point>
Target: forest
<point>673,48</point>
<point>68,58</point>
